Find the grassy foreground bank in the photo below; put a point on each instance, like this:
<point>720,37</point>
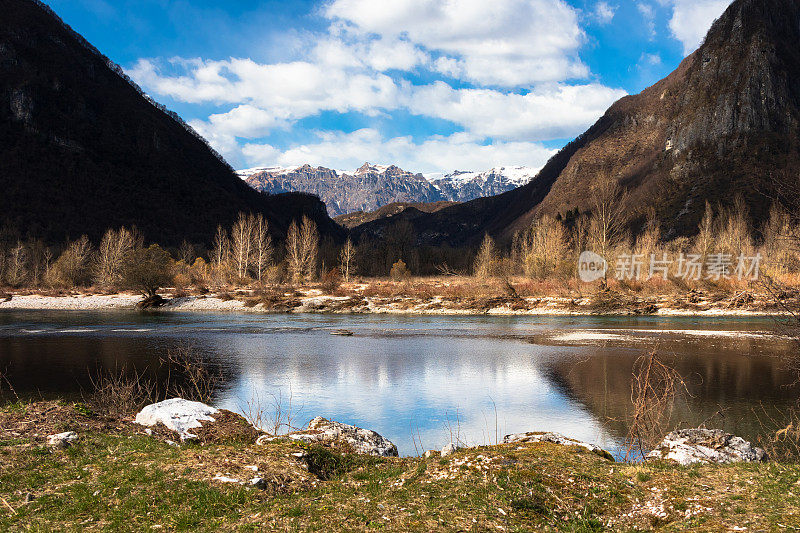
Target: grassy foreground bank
<point>118,478</point>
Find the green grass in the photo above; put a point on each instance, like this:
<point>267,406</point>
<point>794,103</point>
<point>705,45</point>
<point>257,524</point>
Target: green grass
<point>132,482</point>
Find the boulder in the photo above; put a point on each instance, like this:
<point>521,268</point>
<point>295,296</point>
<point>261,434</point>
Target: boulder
<point>555,438</point>
<point>449,449</point>
<point>323,431</point>
<point>177,414</point>
<point>687,446</point>
<point>62,440</point>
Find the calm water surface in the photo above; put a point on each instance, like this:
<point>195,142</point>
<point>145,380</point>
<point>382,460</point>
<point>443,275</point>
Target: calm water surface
<point>422,377</point>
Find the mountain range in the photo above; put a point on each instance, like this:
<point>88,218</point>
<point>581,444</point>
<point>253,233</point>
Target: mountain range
<point>725,123</point>
<point>374,186</point>
<point>83,149</point>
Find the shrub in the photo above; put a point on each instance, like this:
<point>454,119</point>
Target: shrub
<point>147,270</point>
<point>71,269</point>
<point>331,280</point>
<point>400,271</point>
<point>120,394</point>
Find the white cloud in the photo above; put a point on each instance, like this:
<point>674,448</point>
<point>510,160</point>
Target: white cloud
<point>343,48</point>
<point>691,20</point>
<point>518,54</point>
<point>604,13</point>
<point>504,42</point>
<point>273,98</point>
<point>437,153</point>
<point>288,90</point>
<point>650,59</point>
<point>649,15</point>
<point>552,112</point>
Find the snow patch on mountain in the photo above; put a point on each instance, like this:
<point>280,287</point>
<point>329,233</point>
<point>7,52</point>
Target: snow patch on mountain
<point>372,186</point>
<point>246,173</point>
<point>513,175</point>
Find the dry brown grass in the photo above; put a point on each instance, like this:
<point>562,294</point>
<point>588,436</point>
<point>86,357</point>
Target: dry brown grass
<point>119,394</point>
<point>190,376</point>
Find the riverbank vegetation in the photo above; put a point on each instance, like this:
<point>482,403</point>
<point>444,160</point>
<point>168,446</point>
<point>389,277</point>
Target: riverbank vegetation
<point>727,259</point>
<point>117,477</point>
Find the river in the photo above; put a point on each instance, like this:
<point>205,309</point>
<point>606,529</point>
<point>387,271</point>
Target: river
<point>421,380</point>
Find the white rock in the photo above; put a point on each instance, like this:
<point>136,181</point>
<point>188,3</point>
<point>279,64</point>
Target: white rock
<point>225,479</point>
<point>258,482</point>
<point>177,414</point>
<point>321,430</point>
<point>62,440</point>
<point>555,438</point>
<point>449,449</point>
<point>430,453</point>
<point>687,446</point>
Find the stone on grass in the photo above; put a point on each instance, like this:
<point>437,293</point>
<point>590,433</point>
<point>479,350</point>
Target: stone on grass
<point>177,414</point>
<point>449,449</point>
<point>555,438</point>
<point>259,483</point>
<point>222,478</point>
<point>323,431</point>
<point>430,453</point>
<point>62,440</point>
<point>687,446</point>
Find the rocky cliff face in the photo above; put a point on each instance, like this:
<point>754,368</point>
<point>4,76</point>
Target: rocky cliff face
<point>366,189</point>
<point>724,123</point>
<point>373,186</point>
<point>82,149</point>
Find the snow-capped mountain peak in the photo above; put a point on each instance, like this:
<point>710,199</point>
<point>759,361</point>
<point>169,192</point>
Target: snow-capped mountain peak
<point>372,186</point>
<point>513,175</point>
<point>246,173</point>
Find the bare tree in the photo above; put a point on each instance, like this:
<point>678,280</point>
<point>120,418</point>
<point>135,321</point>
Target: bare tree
<point>543,247</point>
<point>294,253</point>
<point>347,258</point>
<point>302,248</point>
<point>17,266</point>
<point>220,255</point>
<point>608,216</point>
<point>704,243</point>
<point>186,253</point>
<point>241,244</point>
<point>310,245</point>
<point>735,235</point>
<point>115,248</point>
<point>262,246</point>
<point>485,258</point>
<point>72,267</point>
<point>39,257</point>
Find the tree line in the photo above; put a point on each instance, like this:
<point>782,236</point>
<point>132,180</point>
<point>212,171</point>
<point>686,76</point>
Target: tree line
<point>550,246</point>
<point>246,253</point>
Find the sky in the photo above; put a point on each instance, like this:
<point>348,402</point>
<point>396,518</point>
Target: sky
<point>430,85</point>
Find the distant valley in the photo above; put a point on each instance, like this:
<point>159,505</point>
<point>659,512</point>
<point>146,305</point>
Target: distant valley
<point>373,186</point>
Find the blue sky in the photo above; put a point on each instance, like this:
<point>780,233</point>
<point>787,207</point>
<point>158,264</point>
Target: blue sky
<point>430,85</point>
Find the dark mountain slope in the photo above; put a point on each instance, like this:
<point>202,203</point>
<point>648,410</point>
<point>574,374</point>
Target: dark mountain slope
<point>82,149</point>
<point>351,220</point>
<point>725,122</point>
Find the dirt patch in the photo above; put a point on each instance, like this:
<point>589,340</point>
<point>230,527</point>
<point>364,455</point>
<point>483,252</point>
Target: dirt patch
<point>227,427</point>
<point>279,466</point>
<point>35,421</point>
